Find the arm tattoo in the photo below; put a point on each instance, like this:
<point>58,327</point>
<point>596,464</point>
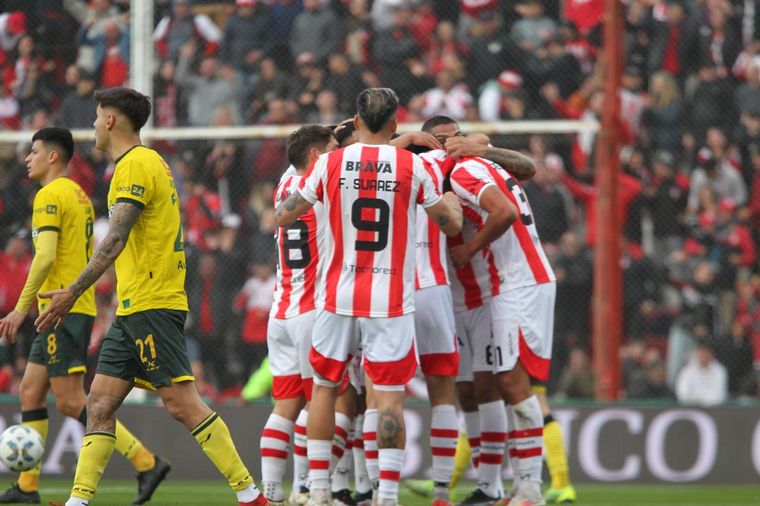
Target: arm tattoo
<point>443,220</point>
<point>390,430</point>
<point>123,218</point>
<point>290,204</point>
<point>516,163</point>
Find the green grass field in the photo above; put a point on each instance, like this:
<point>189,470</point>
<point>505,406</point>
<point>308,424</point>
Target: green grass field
<point>216,493</point>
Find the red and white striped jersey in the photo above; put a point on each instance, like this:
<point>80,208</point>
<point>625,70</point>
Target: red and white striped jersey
<point>474,284</point>
<point>297,255</point>
<point>370,195</point>
<point>518,254</point>
<point>431,255</point>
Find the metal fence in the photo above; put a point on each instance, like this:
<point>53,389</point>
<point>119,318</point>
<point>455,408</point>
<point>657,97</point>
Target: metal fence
<point>690,197</point>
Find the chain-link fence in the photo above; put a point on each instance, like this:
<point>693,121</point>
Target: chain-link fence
<point>689,194</point>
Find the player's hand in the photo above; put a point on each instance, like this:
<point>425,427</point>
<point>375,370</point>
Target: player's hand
<point>418,139</point>
<point>10,324</point>
<point>460,255</point>
<point>459,147</point>
<point>61,302</point>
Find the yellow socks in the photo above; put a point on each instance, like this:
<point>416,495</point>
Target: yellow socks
<point>556,460</point>
<point>133,450</point>
<point>97,448</point>
<point>36,419</point>
<point>461,459</point>
<point>215,440</point>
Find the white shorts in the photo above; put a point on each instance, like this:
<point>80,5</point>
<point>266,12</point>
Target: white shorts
<point>288,342</point>
<point>435,331</point>
<point>523,328</point>
<point>475,341</point>
<point>387,344</point>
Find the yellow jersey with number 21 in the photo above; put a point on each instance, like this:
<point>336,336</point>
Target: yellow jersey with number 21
<point>150,271</point>
<point>62,206</point>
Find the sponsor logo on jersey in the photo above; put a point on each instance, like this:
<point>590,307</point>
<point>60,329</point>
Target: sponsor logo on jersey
<point>137,190</point>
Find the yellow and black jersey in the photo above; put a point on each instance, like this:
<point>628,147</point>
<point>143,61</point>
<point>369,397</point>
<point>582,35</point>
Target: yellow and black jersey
<point>150,272</point>
<point>63,206</point>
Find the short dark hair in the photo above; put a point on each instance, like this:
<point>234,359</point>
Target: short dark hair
<point>376,107</point>
<point>344,133</point>
<point>133,104</point>
<point>305,138</point>
<point>435,121</point>
<point>59,138</point>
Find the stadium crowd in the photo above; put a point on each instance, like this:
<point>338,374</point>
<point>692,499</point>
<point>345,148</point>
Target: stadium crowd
<point>689,193</point>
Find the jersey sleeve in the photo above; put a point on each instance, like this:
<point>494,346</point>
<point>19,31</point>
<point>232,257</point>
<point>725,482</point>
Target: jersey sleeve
<point>469,180</point>
<point>133,183</point>
<point>312,184</point>
<point>47,211</point>
<point>428,194</point>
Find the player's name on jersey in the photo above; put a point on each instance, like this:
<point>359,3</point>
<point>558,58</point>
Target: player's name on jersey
<point>423,244</point>
<point>371,184</point>
<point>379,166</point>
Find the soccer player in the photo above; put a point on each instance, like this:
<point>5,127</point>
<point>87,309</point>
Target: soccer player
<point>290,325</point>
<point>522,315</point>
<point>62,233</point>
<point>370,191</point>
<point>145,345</point>
<point>472,287</point>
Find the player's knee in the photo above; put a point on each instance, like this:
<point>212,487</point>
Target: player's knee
<point>69,407</point>
<point>29,393</point>
<point>514,387</point>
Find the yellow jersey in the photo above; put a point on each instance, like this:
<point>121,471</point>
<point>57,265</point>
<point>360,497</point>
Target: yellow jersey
<point>150,271</point>
<point>63,206</point>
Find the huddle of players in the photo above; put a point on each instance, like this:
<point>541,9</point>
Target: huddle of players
<point>351,299</point>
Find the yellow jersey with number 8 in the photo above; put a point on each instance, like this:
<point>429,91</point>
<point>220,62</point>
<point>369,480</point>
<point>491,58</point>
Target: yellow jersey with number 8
<point>150,272</point>
<point>62,206</point>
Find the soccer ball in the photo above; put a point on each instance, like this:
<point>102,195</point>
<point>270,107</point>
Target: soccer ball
<point>21,448</point>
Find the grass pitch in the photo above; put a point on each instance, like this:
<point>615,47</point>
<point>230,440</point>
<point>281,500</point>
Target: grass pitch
<point>203,493</point>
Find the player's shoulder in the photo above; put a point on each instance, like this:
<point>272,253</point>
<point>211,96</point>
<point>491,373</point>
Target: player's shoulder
<point>145,157</point>
<point>434,156</point>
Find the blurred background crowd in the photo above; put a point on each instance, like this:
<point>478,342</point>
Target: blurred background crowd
<point>689,193</point>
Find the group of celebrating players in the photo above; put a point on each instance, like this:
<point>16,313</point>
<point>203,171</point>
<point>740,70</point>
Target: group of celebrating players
<point>386,259</point>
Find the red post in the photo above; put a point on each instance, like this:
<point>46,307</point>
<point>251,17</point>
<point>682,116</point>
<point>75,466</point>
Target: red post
<point>608,286</point>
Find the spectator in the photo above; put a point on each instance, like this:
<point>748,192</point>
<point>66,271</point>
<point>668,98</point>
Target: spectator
<point>167,99</point>
<point>704,380</point>
<point>748,93</point>
<point>112,55</point>
<point>270,85</point>
<point>398,57</point>
<point>9,109</point>
<point>246,38</point>
<point>491,51</point>
<point>712,103</point>
<point>662,120</point>
<point>316,30</point>
<point>15,261</point>
<point>347,80</point>
<point>327,112</point>
<point>736,354</point>
<point>533,28</point>
<point>577,379</point>
<point>12,28</point>
<point>673,42</point>
<point>78,107</point>
<point>213,86</point>
<point>448,98</point>
<point>574,272</point>
<point>308,82</point>
<point>549,201</point>
<point>93,18</point>
<point>721,36</point>
<point>652,384</point>
<point>256,298</point>
<point>719,177</point>
<point>471,13</point>
<point>175,31</point>
<point>224,170</point>
<point>666,200</point>
<point>492,94</point>
<point>359,32</point>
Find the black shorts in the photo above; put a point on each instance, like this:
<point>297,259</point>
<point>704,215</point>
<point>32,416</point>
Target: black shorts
<point>64,351</point>
<point>147,348</point>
